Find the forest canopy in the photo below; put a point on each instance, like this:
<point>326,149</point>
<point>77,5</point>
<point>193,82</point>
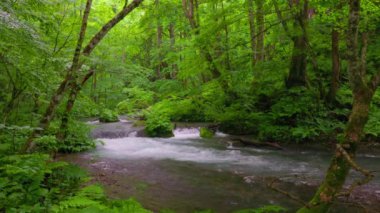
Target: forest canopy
<point>284,72</point>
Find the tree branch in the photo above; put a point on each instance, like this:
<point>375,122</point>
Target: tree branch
<point>109,25</point>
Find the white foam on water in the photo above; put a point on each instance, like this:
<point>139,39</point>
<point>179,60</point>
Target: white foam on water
<point>192,132</point>
<point>140,148</point>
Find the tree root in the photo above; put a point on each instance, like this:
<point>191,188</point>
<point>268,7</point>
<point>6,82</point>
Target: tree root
<point>368,175</point>
<point>292,197</point>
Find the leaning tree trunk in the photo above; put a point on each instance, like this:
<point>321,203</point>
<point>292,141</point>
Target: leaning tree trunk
<point>75,89</point>
<point>342,160</point>
<point>57,97</point>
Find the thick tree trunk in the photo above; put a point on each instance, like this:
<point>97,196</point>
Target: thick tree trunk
<point>340,166</point>
<point>342,161</point>
<point>298,63</point>
<point>260,28</point>
<point>297,70</point>
<point>334,86</point>
<point>251,20</point>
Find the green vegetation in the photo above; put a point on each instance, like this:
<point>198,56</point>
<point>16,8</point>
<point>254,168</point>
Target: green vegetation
<point>206,133</point>
<point>280,71</point>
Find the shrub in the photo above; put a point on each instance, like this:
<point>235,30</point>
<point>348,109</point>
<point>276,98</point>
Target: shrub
<point>159,125</point>
<point>206,133</point>
<point>77,138</point>
<point>30,183</point>
<point>108,116</point>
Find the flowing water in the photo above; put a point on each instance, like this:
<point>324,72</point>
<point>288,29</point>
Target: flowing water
<point>186,173</point>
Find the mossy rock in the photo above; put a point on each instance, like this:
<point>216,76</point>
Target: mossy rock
<point>206,133</point>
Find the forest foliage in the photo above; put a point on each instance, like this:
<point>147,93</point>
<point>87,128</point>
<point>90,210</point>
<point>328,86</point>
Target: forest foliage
<point>272,69</point>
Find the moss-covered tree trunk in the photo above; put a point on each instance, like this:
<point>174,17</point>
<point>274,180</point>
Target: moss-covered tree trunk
<point>362,95</point>
<point>340,166</point>
<point>298,63</point>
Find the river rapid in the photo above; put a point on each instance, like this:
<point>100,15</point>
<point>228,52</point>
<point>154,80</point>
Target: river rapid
<point>187,173</point>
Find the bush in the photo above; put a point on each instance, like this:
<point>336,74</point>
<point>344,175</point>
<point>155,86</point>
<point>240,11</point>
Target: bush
<point>34,183</point>
<point>159,125</point>
<point>31,183</point>
<point>108,116</point>
<point>206,133</point>
<point>77,138</point>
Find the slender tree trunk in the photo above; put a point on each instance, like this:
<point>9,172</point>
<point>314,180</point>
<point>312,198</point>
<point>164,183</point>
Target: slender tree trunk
<point>159,41</point>
<point>227,41</point>
<point>260,24</point>
<point>251,20</point>
<point>362,95</point>
<point>190,8</point>
<point>75,89</point>
<point>335,67</point>
<point>58,95</point>
<point>172,47</point>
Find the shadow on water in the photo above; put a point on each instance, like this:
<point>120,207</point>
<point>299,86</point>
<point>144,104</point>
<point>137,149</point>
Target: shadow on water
<point>187,173</point>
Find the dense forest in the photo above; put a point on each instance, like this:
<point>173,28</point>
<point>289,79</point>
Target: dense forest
<point>291,73</point>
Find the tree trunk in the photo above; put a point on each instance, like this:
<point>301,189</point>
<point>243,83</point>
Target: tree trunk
<point>76,65</point>
<point>335,67</point>
<point>251,20</point>
<point>159,41</point>
<point>190,8</point>
<point>297,70</point>
<point>362,95</point>
<point>74,91</point>
<point>172,47</point>
<point>226,40</point>
<point>260,24</point>
<point>58,95</point>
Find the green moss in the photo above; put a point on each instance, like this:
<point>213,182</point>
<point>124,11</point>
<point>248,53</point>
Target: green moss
<point>206,133</point>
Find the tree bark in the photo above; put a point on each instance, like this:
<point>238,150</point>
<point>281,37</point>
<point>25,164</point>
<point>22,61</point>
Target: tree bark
<point>172,47</point>
<point>159,41</point>
<point>251,20</point>
<point>362,95</point>
<point>297,70</point>
<point>260,25</point>
<point>190,9</point>
<point>58,95</point>
<point>331,96</point>
<point>76,65</point>
<point>75,89</point>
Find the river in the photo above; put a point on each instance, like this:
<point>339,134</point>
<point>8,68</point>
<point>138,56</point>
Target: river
<point>187,173</point>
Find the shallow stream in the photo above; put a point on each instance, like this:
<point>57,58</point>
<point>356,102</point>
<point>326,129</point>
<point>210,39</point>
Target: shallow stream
<point>187,173</point>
